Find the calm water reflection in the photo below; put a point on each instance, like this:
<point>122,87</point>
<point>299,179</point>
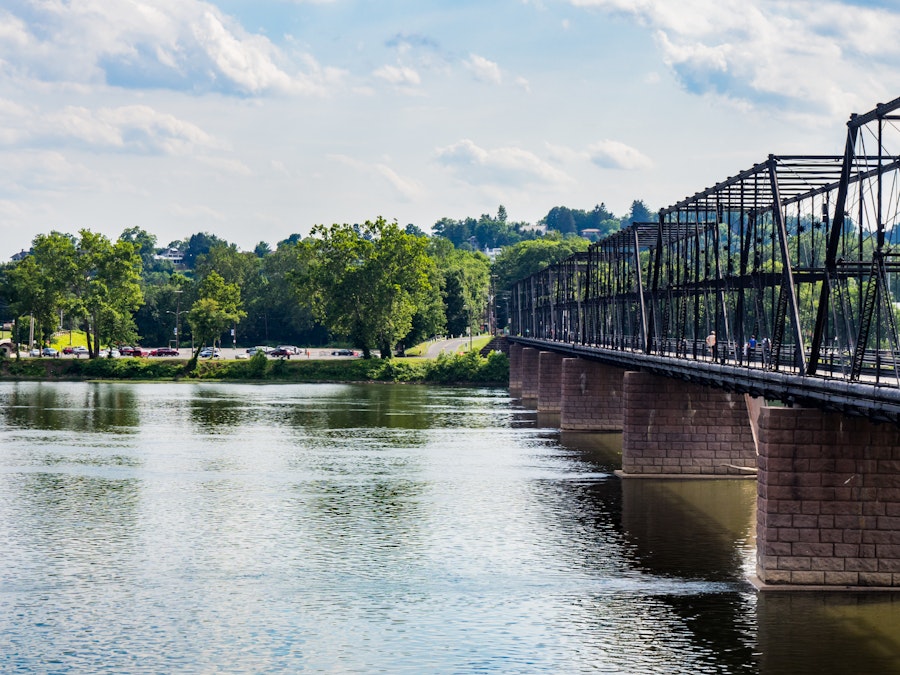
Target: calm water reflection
<point>157,528</point>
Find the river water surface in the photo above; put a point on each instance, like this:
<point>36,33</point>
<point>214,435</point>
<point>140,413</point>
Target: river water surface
<point>217,528</point>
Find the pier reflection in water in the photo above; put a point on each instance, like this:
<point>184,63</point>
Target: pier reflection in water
<point>351,528</point>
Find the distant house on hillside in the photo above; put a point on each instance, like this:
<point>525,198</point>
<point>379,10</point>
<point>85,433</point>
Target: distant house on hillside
<point>492,253</point>
<point>591,234</point>
<point>173,255</point>
<point>21,255</point>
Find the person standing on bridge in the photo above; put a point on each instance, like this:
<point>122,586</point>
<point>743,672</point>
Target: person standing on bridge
<point>711,345</point>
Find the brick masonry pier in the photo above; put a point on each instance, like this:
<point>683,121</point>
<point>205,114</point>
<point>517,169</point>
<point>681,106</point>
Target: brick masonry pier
<point>674,427</point>
<point>528,364</point>
<point>591,396</point>
<point>515,370</point>
<point>828,506</point>
<point>549,379</point>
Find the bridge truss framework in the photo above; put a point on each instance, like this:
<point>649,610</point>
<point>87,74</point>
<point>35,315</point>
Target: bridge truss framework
<point>796,254</point>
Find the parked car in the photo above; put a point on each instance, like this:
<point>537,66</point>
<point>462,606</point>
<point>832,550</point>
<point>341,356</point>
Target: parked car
<point>133,351</point>
<point>34,352</point>
<point>209,353</point>
<point>78,351</point>
<point>252,350</point>
<point>49,351</point>
<point>342,352</point>
<point>164,351</point>
<point>281,352</point>
<point>68,350</point>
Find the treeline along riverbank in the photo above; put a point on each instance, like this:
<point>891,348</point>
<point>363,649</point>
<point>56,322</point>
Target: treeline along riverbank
<point>469,368</point>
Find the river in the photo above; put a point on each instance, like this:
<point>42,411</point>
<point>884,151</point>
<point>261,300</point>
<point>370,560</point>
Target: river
<point>222,528</point>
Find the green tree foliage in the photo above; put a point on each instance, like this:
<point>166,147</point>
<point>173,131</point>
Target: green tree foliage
<point>485,232</point>
<point>519,261</point>
<point>275,309</point>
<point>91,279</point>
<point>465,281</point>
<point>106,289</point>
<point>366,282</point>
<point>639,213</point>
<point>166,301</point>
<point>575,221</point>
<point>39,282</point>
<point>217,309</point>
<point>197,245</point>
<point>145,245</point>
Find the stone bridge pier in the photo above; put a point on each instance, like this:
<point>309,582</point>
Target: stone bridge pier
<point>828,485</point>
<point>828,505</point>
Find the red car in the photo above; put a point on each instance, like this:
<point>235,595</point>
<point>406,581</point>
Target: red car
<point>164,351</point>
<point>133,351</point>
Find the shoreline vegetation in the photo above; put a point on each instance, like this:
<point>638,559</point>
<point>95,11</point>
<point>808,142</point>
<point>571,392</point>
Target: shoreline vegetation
<point>468,368</point>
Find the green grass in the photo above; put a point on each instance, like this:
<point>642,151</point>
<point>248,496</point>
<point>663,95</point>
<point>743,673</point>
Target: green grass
<point>66,339</point>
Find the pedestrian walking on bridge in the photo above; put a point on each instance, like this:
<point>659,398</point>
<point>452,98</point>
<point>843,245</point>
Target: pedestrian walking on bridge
<point>711,345</point>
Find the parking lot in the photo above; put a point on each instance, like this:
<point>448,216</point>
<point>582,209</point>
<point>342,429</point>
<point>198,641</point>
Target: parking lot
<point>224,353</point>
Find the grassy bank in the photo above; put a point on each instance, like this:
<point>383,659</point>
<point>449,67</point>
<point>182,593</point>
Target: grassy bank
<point>469,368</point>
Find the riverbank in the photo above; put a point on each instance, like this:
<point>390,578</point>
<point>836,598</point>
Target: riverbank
<point>469,368</point>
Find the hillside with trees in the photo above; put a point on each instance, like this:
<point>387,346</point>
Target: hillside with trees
<point>376,287</point>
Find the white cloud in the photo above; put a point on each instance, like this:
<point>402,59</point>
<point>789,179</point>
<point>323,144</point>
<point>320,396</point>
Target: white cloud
<point>616,155</point>
<point>404,188</point>
<point>399,76</point>
<point>172,44</point>
<point>41,172</point>
<point>510,166</point>
<point>134,129</point>
<point>770,53</point>
<point>484,69</point>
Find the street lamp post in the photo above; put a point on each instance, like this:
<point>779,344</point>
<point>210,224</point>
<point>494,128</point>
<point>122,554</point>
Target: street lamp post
<point>177,314</point>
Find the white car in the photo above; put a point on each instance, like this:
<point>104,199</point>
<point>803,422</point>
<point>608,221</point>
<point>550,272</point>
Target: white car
<point>209,353</point>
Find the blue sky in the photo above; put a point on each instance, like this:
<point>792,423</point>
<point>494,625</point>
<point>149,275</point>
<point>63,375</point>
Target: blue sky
<point>255,120</point>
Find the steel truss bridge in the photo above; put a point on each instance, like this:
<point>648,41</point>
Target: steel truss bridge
<point>797,253</point>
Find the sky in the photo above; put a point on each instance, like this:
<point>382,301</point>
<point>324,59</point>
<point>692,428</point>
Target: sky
<point>257,119</point>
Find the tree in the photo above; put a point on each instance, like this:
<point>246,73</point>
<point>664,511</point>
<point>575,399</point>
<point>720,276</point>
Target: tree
<point>199,244</point>
<point>218,308</point>
<point>366,282</point>
<point>105,290</point>
<point>526,258</point>
<point>39,283</point>
<point>145,244</point>
<point>639,214</point>
<point>466,282</point>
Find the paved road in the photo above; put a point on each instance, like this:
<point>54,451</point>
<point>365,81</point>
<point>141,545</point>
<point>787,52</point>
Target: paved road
<point>435,348</point>
<point>226,353</point>
<point>449,346</point>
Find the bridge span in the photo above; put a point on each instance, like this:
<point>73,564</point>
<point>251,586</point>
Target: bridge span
<point>750,330</point>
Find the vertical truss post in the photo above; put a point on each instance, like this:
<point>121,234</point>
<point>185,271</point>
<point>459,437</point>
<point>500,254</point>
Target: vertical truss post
<point>787,282</point>
<point>645,335</point>
<point>834,238</point>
